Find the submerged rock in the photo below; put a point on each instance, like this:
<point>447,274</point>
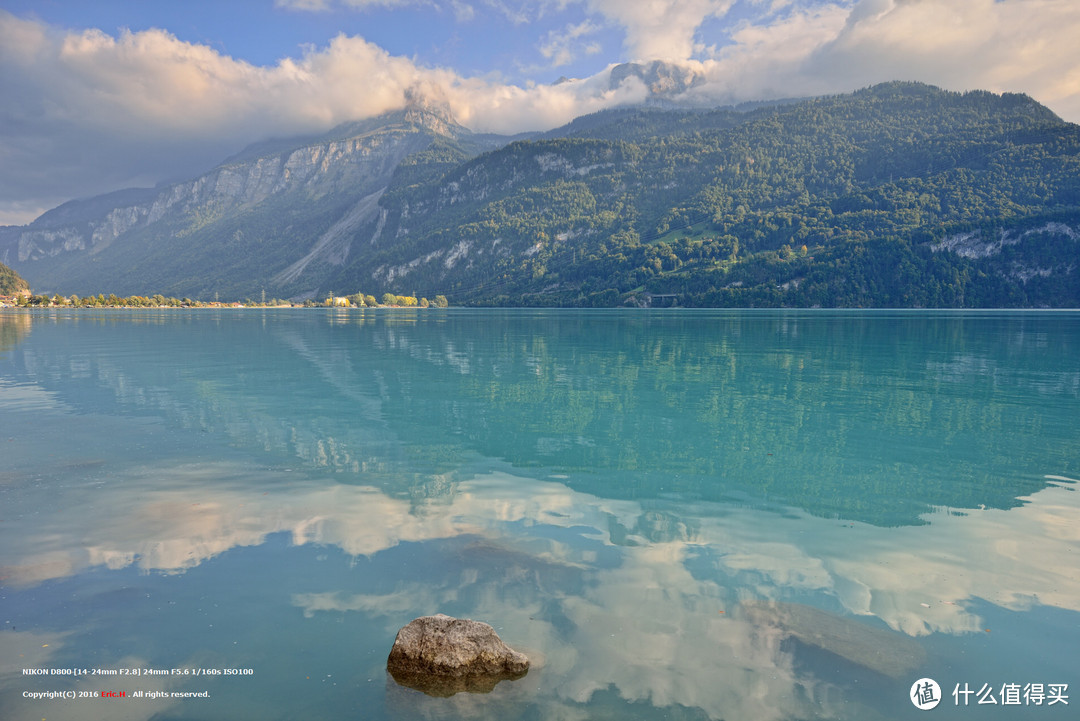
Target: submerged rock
<point>441,656</point>
<point>884,651</point>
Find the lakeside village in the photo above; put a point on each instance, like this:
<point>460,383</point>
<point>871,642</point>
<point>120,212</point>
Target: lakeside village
<point>25,299</point>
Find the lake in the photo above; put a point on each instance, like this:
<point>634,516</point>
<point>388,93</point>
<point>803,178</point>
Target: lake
<point>738,515</point>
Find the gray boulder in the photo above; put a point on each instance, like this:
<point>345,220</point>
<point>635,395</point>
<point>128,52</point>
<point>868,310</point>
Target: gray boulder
<point>441,656</point>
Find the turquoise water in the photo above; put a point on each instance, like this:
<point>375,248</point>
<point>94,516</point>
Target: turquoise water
<point>749,516</point>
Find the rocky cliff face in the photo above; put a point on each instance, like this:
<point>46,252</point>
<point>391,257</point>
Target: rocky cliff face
<point>1019,255</point>
<point>360,161</point>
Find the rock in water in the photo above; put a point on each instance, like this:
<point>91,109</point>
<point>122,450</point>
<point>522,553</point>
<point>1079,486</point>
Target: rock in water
<point>440,656</point>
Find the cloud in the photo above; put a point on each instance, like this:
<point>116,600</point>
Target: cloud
<point>766,61</point>
<point>463,12</point>
<point>508,109</point>
<point>660,29</point>
<point>1015,45</point>
<point>86,112</point>
<point>1007,46</point>
<point>562,48</point>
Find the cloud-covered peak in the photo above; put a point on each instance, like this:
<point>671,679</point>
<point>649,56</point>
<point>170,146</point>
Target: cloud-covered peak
<point>663,79</point>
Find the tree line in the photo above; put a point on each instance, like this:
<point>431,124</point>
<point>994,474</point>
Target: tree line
<point>112,300</point>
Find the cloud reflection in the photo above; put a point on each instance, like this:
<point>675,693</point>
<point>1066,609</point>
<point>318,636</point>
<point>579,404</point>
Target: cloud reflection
<point>174,519</point>
<point>651,623</point>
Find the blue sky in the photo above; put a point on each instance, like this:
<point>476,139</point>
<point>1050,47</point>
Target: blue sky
<point>109,94</point>
<point>518,41</point>
<point>504,38</point>
<point>263,33</point>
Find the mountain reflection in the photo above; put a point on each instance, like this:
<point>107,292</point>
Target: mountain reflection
<point>877,418</point>
<point>13,328</point>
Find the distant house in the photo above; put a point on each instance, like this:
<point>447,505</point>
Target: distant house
<point>9,301</point>
<point>340,301</point>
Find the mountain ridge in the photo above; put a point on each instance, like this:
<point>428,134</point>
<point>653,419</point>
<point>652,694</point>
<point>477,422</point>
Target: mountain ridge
<point>341,167</point>
<point>715,206</point>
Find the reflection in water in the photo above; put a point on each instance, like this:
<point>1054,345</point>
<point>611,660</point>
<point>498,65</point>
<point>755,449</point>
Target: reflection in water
<point>859,643</point>
<point>642,618</point>
<point>13,328</point>
<point>848,499</point>
<point>916,411</point>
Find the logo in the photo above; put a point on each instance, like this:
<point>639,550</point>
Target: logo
<point>925,694</point>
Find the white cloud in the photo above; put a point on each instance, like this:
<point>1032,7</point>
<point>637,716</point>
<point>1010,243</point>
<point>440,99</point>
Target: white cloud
<point>563,47</point>
<point>660,29</point>
<point>463,12</point>
<point>767,61</point>
<point>1014,45</point>
<point>86,112</point>
<point>797,49</point>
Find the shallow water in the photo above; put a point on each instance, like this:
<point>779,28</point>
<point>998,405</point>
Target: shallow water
<point>748,515</point>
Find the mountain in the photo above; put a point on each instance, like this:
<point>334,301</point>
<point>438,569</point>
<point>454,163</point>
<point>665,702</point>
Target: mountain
<point>900,194</point>
<point>276,215</point>
<point>664,81</point>
<point>843,201</point>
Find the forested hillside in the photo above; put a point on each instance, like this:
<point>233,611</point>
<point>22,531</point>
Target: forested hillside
<point>898,195</point>
<point>10,281</point>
